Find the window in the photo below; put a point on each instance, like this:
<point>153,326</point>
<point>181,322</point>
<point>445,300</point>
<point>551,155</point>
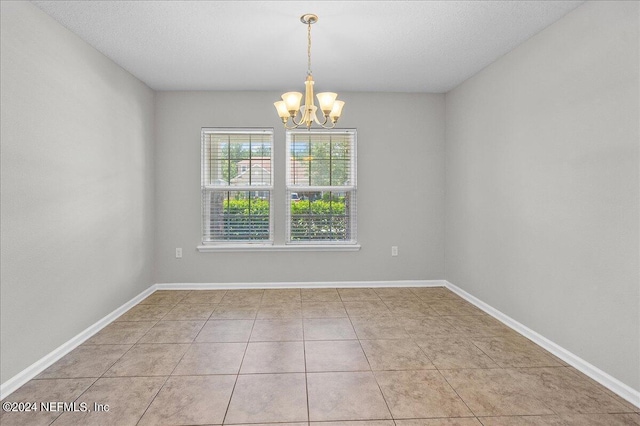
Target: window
<point>237,184</point>
<point>321,187</point>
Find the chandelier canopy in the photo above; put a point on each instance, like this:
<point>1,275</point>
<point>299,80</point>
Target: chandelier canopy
<point>289,109</point>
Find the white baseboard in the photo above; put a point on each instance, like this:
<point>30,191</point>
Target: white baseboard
<point>606,380</point>
<point>297,284</point>
<point>43,363</point>
<point>615,385</point>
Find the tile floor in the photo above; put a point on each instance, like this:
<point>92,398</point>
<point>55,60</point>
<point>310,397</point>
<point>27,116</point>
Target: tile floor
<point>376,357</point>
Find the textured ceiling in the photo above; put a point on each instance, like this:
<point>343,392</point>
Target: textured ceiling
<point>403,46</point>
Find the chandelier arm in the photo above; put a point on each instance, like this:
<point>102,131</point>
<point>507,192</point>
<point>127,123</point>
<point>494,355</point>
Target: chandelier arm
<point>328,127</point>
<point>295,126</point>
<point>326,119</point>
<point>299,123</point>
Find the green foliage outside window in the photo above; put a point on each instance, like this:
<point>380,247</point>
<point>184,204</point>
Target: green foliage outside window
<point>246,218</point>
<point>322,219</point>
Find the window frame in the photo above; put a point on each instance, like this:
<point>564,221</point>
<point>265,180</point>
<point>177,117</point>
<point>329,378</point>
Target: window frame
<point>351,188</point>
<point>208,188</point>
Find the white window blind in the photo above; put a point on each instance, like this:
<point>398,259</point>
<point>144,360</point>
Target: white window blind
<point>237,185</point>
<point>321,186</point>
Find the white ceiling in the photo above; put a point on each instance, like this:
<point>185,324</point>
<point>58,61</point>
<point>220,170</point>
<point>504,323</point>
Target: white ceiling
<point>402,46</point>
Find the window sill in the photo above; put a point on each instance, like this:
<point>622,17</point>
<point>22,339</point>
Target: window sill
<point>271,247</point>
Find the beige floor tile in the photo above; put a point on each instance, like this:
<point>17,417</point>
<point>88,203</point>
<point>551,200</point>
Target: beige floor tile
<point>63,390</point>
<point>323,310</point>
<point>567,393</point>
<point>211,358</point>
<point>273,357</point>
<point>409,308</point>
<point>366,308</point>
<point>395,293</point>
<point>629,407</point>
<point>230,311</point>
<point>320,295</point>
<point>190,400</point>
<point>485,366</point>
<point>454,353</point>
<point>495,392</point>
<point>515,352</point>
<point>127,398</point>
<point>277,330</point>
<point>225,331</point>
<point>276,303</point>
<point>601,419</point>
<point>427,327</point>
<point>280,311</point>
<point>433,293</point>
<point>121,333</point>
<point>379,328</point>
<point>355,423</point>
<point>565,420</point>
<point>275,424</point>
<point>85,361</point>
<point>420,394</point>
<point>328,329</point>
<point>148,360</point>
<point>337,355</point>
<point>457,421</point>
<point>479,326</point>
<point>185,312</point>
<point>454,307</point>
<point>551,420</point>
<point>204,297</point>
<point>165,297</point>
<point>395,355</point>
<point>355,294</point>
<point>243,297</point>
<point>268,398</point>
<point>345,396</point>
<point>281,295</point>
<point>145,313</point>
<point>173,332</point>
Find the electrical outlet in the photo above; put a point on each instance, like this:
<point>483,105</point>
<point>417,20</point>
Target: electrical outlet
<point>394,251</point>
<point>178,253</point>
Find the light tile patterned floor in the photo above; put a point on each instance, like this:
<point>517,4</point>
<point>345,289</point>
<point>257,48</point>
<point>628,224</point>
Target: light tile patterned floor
<point>316,357</point>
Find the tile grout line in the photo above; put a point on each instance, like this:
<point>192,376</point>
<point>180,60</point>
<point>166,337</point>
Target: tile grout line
<point>375,379</point>
<point>167,378</point>
<point>456,392</point>
<point>306,376</point>
<point>79,396</point>
<point>226,412</point>
<point>172,370</point>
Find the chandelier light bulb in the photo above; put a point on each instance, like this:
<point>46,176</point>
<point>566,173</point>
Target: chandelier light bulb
<point>336,111</point>
<point>281,107</point>
<point>326,100</point>
<point>292,101</point>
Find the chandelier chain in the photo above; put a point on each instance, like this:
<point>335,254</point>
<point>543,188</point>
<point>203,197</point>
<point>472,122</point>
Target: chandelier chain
<point>309,48</point>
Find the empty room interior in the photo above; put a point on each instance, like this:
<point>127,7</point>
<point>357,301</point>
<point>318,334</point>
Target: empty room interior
<point>195,232</point>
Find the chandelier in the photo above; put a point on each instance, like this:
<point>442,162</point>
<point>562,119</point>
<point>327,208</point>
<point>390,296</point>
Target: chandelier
<point>289,109</point>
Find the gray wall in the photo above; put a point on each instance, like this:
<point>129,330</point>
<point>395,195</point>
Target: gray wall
<point>542,185</point>
<point>77,186</point>
<point>400,190</point>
